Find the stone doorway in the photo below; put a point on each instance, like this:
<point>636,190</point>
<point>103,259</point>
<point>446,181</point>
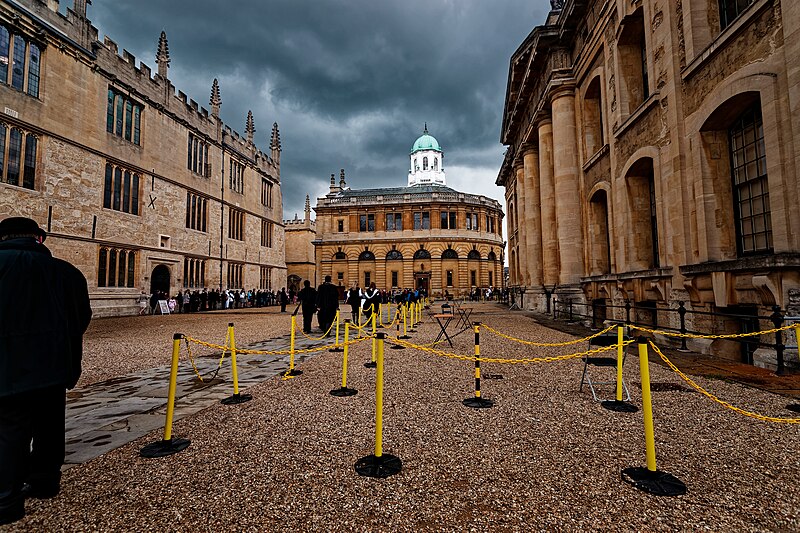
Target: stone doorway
<point>422,281</point>
<point>160,280</point>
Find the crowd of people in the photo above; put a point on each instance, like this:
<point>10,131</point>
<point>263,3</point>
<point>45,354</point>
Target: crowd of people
<point>195,301</point>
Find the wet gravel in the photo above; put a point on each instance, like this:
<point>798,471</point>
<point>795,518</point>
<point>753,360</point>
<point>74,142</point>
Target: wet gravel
<point>545,457</point>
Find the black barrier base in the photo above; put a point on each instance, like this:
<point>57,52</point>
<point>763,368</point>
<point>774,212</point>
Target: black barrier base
<point>657,483</point>
<point>236,399</point>
<point>794,407</point>
<point>378,327</point>
<point>294,372</point>
<point>478,403</point>
<point>404,337</point>
<point>371,364</point>
<point>164,448</point>
<point>383,466</point>
<point>344,391</point>
<point>619,406</point>
<point>397,347</point>
<point>336,349</point>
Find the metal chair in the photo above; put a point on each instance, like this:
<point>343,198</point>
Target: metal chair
<point>603,361</point>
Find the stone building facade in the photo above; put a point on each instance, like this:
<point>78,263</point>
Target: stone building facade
<point>300,259</point>
<point>424,235</point>
<point>653,150</point>
<point>139,187</point>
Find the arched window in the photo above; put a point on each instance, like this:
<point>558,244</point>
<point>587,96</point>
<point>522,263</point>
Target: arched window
<point>425,163</point>
<point>474,254</point>
<point>435,163</point>
<point>642,201</point>
<point>449,254</point>
<point>422,254</point>
<point>366,255</point>
<point>394,255</point>
<point>340,256</point>
<point>416,164</point>
<point>634,86</point>
<point>492,256</point>
<point>593,118</point>
<point>600,247</point>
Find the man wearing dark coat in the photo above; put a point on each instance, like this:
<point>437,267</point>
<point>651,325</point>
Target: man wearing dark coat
<point>308,300</point>
<point>44,312</point>
<point>327,304</point>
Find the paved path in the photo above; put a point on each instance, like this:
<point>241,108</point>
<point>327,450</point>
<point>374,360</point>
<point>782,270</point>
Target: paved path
<point>106,415</point>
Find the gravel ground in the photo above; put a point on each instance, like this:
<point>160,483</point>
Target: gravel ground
<point>546,457</point>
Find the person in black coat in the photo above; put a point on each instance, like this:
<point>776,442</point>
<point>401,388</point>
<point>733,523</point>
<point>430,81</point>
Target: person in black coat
<point>284,299</point>
<point>327,304</point>
<point>308,300</point>
<point>44,312</point>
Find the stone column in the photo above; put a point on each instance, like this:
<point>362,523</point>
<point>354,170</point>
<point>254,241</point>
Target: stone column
<point>510,232</point>
<point>567,189</point>
<point>523,276</point>
<point>533,225</point>
<point>547,205</point>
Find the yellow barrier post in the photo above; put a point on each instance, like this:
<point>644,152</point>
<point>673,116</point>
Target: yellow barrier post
<point>412,317</point>
<point>343,390</point>
<point>380,315</point>
<point>360,324</point>
<point>373,362</point>
<point>477,402</point>
<point>649,479</point>
<point>168,445</point>
<point>397,334</point>
<point>292,371</point>
<point>236,398</point>
<point>405,323</point>
<point>379,464</point>
<point>618,405</point>
<point>336,346</point>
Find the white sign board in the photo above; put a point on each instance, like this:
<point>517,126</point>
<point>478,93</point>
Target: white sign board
<point>164,307</point>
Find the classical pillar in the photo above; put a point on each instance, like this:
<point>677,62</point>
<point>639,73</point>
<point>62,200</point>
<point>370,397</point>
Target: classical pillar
<point>510,232</point>
<point>523,276</point>
<point>548,206</point>
<point>566,177</point>
<point>533,224</point>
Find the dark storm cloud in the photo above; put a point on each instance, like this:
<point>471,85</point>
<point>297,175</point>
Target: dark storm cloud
<point>350,82</point>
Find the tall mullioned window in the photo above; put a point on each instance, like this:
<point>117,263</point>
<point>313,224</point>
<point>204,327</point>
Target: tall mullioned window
<point>196,212</point>
<point>20,62</point>
<point>750,187</point>
<point>121,189</point>
<point>366,222</point>
<point>394,222</point>
<point>730,9</point>
<point>124,116</point>
<point>266,192</point>
<point>116,267</point>
<point>17,156</point>
<point>448,220</point>
<point>422,220</point>
<point>235,276</point>
<point>194,273</point>
<point>472,222</point>
<point>266,233</point>
<point>236,224</point>
<point>236,176</point>
<point>265,278</point>
<point>197,158</point>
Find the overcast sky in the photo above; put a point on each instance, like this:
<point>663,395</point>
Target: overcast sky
<point>349,82</point>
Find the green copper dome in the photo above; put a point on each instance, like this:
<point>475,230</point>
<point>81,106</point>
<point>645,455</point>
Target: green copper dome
<point>426,142</point>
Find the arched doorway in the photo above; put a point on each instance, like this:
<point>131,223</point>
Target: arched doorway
<point>293,283</point>
<point>159,279</point>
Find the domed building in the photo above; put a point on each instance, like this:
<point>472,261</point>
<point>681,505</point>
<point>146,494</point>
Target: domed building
<point>424,235</point>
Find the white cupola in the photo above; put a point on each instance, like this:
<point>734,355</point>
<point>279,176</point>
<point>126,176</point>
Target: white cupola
<point>427,161</point>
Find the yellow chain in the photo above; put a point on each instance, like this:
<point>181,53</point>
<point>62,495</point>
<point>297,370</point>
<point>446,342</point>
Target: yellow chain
<point>390,324</point>
<point>532,343</point>
<point>723,403</point>
<point>269,352</point>
<point>551,359</point>
<point>728,336</point>
<point>221,359</point>
<point>318,338</point>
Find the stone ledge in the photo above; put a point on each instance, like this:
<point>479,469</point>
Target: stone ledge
<point>763,262</point>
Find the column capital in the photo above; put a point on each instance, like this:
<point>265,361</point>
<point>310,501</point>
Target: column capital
<point>518,163</point>
<point>562,89</point>
<point>529,148</point>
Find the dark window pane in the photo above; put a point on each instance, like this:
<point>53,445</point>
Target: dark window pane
<point>426,220</point>
<point>29,173</point>
<point>131,267</point>
<point>112,267</point>
<point>110,112</point>
<point>135,195</point>
<point>107,187</point>
<point>117,188</point>
<point>137,126</point>
<point>126,193</point>
<point>120,106</point>
<point>122,268</point>
<point>5,43</point>
<point>128,120</point>
<point>453,220</point>
<point>101,267</point>
<point>2,148</point>
<point>18,67</point>
<point>189,153</point>
<point>14,149</point>
<point>33,70</point>
<point>443,224</point>
<point>188,210</point>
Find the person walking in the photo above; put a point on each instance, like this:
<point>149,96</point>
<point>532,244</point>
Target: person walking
<point>308,301</point>
<point>284,300</point>
<point>41,347</point>
<point>327,304</point>
<point>354,300</point>
<point>370,300</point>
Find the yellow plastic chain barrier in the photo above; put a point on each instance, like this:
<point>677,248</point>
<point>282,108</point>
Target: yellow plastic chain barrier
<point>723,403</point>
<point>502,360</point>
<point>394,319</point>
<point>318,338</point>
<point>221,359</point>
<point>268,352</point>
<point>728,336</point>
<point>532,343</point>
